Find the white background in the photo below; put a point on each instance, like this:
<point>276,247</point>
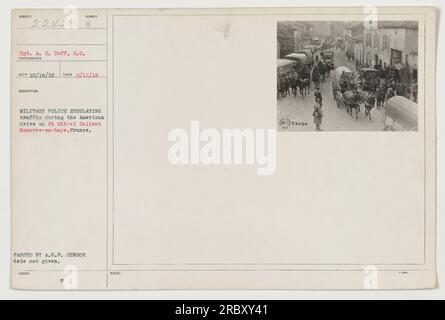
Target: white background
<point>7,293</point>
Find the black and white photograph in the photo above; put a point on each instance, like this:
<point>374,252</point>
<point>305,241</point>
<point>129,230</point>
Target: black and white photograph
<point>347,76</point>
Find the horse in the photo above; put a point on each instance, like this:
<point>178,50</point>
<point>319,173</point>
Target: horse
<point>316,76</point>
<point>352,105</point>
<point>368,109</point>
<point>353,100</point>
<point>369,104</point>
<point>328,70</point>
<point>303,85</point>
<point>283,89</point>
<point>294,86</point>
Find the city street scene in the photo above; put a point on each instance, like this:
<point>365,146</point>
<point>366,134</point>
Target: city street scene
<point>347,76</point>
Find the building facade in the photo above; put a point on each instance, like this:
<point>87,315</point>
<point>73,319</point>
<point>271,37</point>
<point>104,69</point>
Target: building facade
<point>292,35</point>
<point>354,40</point>
<point>392,43</point>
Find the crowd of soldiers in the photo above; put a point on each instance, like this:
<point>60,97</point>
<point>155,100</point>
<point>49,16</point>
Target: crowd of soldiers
<point>290,83</point>
<point>315,71</point>
<point>284,84</point>
<point>387,84</point>
<point>319,71</point>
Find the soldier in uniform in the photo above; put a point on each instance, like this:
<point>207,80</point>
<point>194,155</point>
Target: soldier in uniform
<point>390,93</point>
<point>380,97</point>
<point>369,104</point>
<point>316,76</point>
<point>317,114</point>
<point>318,95</point>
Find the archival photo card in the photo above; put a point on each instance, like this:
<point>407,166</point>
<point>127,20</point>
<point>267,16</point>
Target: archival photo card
<point>348,75</point>
<point>223,148</point>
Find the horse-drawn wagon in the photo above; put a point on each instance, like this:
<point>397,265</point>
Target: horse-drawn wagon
<point>346,94</point>
<point>354,100</point>
<point>342,77</point>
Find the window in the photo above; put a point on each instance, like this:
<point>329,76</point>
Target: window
<point>376,40</point>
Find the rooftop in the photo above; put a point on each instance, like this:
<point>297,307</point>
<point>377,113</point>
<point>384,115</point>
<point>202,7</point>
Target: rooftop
<point>357,25</point>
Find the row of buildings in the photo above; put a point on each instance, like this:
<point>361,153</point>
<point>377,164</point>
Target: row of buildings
<point>394,43</point>
<point>295,35</point>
